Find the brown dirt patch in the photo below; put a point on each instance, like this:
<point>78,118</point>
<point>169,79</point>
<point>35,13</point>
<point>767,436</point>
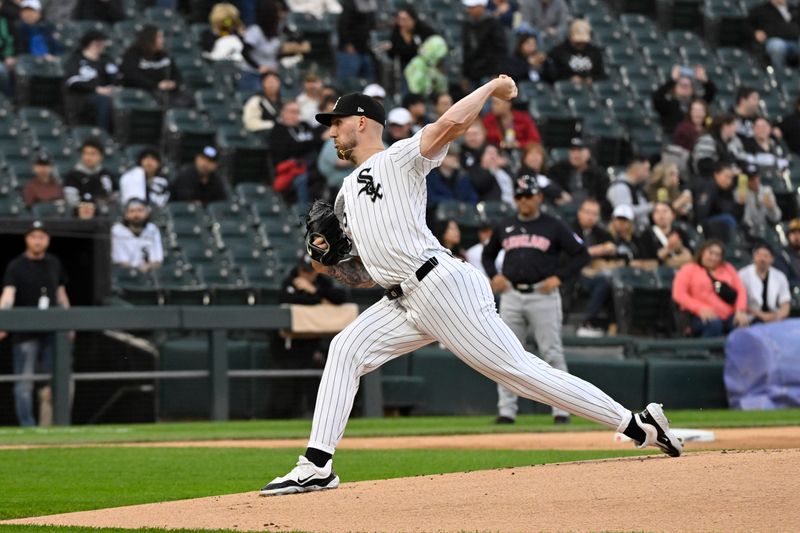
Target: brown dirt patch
<point>739,439</point>
<point>751,491</point>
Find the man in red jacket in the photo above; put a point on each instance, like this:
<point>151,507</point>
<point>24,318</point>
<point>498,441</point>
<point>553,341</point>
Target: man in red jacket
<point>509,128</point>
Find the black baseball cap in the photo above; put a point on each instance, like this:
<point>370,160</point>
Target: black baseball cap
<point>577,142</point>
<point>42,159</point>
<point>354,104</point>
<point>36,225</point>
<point>526,185</point>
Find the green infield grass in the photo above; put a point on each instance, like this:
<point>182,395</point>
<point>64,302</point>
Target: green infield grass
<point>58,480</point>
<point>362,427</point>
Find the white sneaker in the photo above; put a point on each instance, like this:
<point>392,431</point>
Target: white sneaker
<point>585,331</point>
<point>304,477</point>
<point>655,425</point>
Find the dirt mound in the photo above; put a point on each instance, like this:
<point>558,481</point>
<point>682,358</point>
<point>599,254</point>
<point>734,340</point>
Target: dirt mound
<point>711,491</point>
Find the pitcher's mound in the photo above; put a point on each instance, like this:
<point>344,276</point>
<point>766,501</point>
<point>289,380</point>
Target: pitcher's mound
<point>715,491</point>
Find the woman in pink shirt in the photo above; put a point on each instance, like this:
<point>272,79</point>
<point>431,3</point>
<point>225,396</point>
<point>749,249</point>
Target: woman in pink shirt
<point>710,289</point>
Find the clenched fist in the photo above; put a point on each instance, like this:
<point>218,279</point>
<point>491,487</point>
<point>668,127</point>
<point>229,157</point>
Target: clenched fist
<point>504,88</point>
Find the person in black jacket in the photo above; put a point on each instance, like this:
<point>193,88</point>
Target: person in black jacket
<point>111,11</point>
<point>147,66</point>
<point>527,61</point>
<point>199,181</point>
<point>484,44</point>
<point>673,98</point>
<point>408,33</point>
<point>577,59</point>
<point>720,205</point>
<point>532,273</point>
<point>354,57</point>
<point>89,178</point>
<point>294,397</point>
<point>293,139</point>
<point>790,126</point>
<point>91,77</point>
<point>775,25</point>
<point>579,175</point>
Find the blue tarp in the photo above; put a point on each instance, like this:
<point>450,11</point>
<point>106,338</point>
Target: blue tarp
<point>762,366</point>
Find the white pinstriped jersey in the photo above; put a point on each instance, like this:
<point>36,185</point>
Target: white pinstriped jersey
<point>381,207</point>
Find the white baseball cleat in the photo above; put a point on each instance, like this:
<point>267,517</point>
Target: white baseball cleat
<point>654,423</point>
<point>304,477</point>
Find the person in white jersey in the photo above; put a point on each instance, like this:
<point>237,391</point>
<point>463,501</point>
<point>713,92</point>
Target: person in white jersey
<point>430,296</point>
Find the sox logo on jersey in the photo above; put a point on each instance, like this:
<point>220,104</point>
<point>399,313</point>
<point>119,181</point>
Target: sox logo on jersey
<point>369,187</point>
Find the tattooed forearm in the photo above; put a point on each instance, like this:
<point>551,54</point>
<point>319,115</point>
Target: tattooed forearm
<point>352,273</point>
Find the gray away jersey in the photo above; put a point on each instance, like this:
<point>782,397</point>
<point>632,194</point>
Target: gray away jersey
<point>381,207</point>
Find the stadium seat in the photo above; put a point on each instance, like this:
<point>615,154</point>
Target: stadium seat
<point>38,82</point>
<point>265,281</point>
<point>136,287</point>
<point>182,287</point>
<point>682,14</point>
<point>227,285</point>
<point>11,206</point>
<point>78,134</point>
<point>494,212</point>
<point>639,302</point>
<point>186,132</point>
<point>244,155</point>
<point>137,117</point>
<point>725,23</point>
<point>57,209</point>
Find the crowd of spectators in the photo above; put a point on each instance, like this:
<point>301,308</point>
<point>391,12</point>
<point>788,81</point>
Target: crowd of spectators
<point>642,214</point>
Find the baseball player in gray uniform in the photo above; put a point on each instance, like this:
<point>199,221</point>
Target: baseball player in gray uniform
<point>532,272</point>
<point>429,295</point>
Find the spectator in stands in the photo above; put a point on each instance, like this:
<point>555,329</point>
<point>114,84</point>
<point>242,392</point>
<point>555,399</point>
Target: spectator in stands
<point>549,18</point>
<point>310,99</point>
<point>504,11</point>
<point>474,143</point>
<point>720,202</point>
<point>91,79</point>
<point>628,189</point>
<point>86,208</point>
<point>533,164</point>
<point>674,98</point>
<point>449,182</point>
<point>33,35</point>
<point>354,56</point>
<point>746,109</point>
<point>527,61</point>
<point>145,181</point>
<point>789,258</point>
<point>710,290</point>
<point>136,242</point>
<point>270,37</point>
<point>44,187</point>
<point>416,105</point>
<point>147,66</point>
<point>474,255</point>
<point>33,279</point>
<point>720,145</point>
<point>441,103</point>
<point>398,125</point>
<point>693,126</point>
<point>509,129</point>
<point>790,126</point>
<point>199,181</point>
<point>579,175</point>
<point>760,206</point>
<point>484,44</point>
<point>7,58</point>
<point>408,34</point>
<point>89,176</point>
<point>225,42</point>
<point>764,150</point>
<point>623,235</point>
<point>109,11</point>
<point>665,186</point>
<point>776,26</point>
<point>577,59</point>
<point>423,74</point>
<point>768,296</point>
<point>491,179</point>
<point>664,242</point>
<point>261,111</point>
<point>295,145</point>
<point>295,396</point>
<point>449,236</point>
<point>595,278</point>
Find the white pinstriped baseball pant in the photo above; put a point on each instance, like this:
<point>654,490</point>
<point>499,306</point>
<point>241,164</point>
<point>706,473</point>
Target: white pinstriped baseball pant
<point>454,305</point>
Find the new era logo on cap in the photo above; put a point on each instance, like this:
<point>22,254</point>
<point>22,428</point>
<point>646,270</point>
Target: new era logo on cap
<point>360,110</point>
<point>354,104</point>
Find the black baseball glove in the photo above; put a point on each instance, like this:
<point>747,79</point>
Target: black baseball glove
<point>322,222</point>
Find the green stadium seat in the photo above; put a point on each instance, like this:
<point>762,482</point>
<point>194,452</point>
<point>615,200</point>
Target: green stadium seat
<point>494,212</point>
<point>182,287</point>
<point>227,286</point>
<point>224,210</point>
<point>78,134</point>
<point>640,300</point>
<point>137,117</point>
<point>265,280</point>
<point>725,23</point>
<point>186,132</point>
<point>57,209</point>
<point>38,82</point>
<point>682,14</point>
<point>136,287</point>
<point>244,155</point>
<point>11,206</point>
<point>465,215</point>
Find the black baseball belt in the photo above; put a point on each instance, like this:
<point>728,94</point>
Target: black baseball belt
<point>396,292</point>
<point>525,288</point>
